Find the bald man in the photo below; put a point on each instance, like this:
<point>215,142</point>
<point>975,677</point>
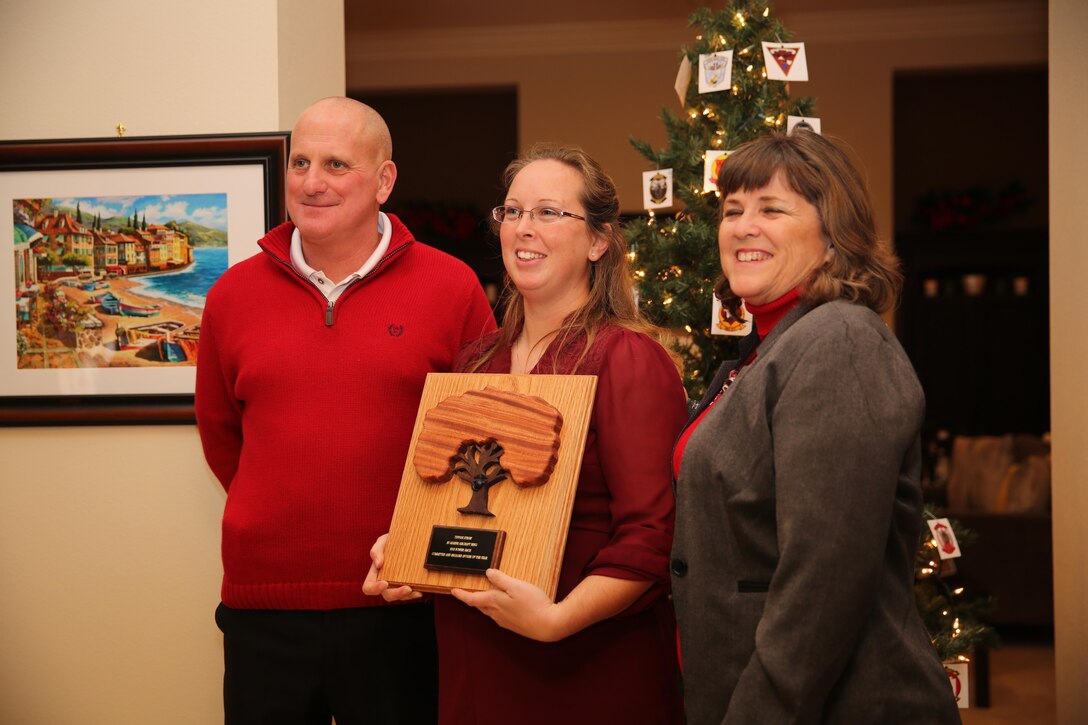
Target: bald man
<point>312,360</point>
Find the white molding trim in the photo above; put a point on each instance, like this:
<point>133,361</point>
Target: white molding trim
<point>1013,17</point>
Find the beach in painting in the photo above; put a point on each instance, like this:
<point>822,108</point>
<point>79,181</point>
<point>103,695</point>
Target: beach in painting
<point>107,353</point>
<point>177,315</point>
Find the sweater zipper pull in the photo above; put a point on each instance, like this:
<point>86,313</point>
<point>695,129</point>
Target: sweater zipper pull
<point>328,314</point>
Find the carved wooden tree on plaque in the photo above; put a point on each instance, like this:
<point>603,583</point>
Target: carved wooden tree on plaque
<point>478,465</point>
<point>466,435</point>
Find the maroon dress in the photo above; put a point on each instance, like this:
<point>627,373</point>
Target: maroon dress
<point>623,669</point>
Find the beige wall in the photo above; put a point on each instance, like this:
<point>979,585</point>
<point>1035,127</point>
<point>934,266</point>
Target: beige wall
<point>109,536</point>
<point>1069,356</point>
<point>596,84</point>
<point>311,55</point>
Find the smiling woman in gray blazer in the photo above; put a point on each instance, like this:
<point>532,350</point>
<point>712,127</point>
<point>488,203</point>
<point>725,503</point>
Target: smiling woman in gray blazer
<point>798,496</point>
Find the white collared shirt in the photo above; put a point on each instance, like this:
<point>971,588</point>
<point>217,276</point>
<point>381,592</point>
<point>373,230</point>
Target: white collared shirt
<point>331,290</point>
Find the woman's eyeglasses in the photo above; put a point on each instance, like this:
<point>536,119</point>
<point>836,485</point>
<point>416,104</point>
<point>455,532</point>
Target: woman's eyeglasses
<point>542,214</point>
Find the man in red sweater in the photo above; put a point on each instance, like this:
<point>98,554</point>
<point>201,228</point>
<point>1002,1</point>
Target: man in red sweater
<point>312,359</point>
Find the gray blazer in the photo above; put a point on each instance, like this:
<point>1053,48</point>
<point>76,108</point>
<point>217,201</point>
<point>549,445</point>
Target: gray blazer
<point>797,517</point>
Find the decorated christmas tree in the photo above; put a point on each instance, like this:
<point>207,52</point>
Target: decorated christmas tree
<point>730,95</point>
<point>734,85</point>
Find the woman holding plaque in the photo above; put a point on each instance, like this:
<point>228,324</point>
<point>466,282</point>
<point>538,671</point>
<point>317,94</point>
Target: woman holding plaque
<point>798,496</point>
<point>605,650</point>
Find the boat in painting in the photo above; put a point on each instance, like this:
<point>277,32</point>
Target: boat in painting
<point>140,310</point>
<point>180,345</point>
<point>173,340</point>
<point>109,303</point>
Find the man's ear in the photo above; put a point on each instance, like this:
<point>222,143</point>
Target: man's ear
<point>387,177</point>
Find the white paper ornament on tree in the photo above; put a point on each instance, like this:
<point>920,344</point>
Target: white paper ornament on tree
<point>732,320</point>
<point>683,78</point>
<point>959,677</point>
<point>657,189</point>
<point>806,122</point>
<point>785,61</point>
<point>715,71</point>
<point>945,538</point>
<point>711,166</point>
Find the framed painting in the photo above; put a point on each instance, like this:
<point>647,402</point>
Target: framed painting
<point>114,244</point>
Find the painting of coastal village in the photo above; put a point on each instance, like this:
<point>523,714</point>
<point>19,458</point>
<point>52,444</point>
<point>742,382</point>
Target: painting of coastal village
<point>115,281</point>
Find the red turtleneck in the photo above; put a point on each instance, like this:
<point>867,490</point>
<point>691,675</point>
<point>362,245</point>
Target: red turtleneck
<point>765,318</point>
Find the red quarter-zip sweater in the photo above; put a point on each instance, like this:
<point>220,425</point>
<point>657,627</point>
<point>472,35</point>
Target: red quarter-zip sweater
<point>305,412</point>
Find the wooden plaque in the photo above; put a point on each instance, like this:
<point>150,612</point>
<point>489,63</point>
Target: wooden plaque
<point>495,453</point>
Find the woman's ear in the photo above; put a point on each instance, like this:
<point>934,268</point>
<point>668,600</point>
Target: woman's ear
<point>598,248</point>
<point>829,254</point>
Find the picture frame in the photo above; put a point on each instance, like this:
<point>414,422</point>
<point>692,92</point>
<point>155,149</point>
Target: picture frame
<point>246,172</point>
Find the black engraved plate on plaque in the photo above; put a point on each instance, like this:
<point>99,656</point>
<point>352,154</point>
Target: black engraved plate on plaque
<point>469,551</point>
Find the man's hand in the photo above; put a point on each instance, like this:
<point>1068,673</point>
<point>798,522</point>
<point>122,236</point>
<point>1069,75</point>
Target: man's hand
<point>373,586</point>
